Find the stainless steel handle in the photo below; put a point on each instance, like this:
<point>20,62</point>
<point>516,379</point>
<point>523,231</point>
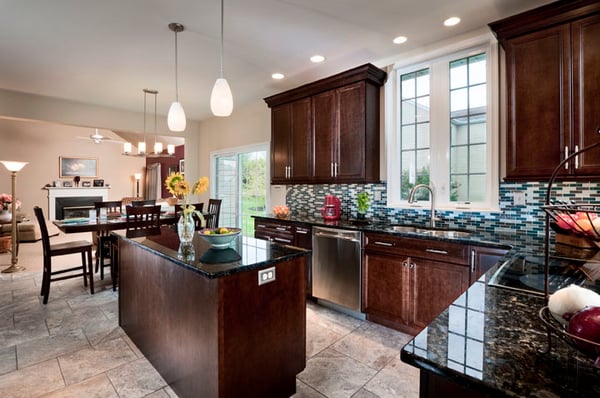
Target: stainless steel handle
<point>383,243</point>
<point>282,240</point>
<point>436,251</point>
<point>577,157</point>
<point>281,228</point>
<point>300,231</point>
<point>472,261</point>
<point>566,156</point>
<point>331,169</point>
<point>261,226</point>
<point>333,236</point>
<point>335,169</point>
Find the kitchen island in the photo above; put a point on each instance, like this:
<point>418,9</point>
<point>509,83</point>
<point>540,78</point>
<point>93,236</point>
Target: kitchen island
<point>490,343</point>
<point>208,321</point>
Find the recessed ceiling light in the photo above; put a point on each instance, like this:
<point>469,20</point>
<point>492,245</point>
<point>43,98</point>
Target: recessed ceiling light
<point>317,58</point>
<point>452,21</point>
<point>400,40</point>
<point>277,76</point>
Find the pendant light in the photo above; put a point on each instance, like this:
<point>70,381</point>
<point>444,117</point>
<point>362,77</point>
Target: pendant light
<point>221,99</point>
<point>176,117</point>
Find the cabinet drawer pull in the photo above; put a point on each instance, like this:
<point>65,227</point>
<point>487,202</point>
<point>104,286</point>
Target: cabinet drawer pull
<point>282,240</point>
<point>261,226</point>
<point>472,261</point>
<point>281,228</point>
<point>577,157</point>
<point>299,231</point>
<point>383,243</point>
<point>566,155</point>
<point>436,251</point>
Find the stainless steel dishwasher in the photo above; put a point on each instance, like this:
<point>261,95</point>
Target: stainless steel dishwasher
<point>336,268</point>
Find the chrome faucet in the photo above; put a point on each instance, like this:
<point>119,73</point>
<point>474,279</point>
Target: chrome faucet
<point>411,199</point>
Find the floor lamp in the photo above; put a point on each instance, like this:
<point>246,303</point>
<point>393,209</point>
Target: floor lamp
<point>13,167</point>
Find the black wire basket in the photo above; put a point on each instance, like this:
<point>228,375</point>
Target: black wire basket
<point>589,348</point>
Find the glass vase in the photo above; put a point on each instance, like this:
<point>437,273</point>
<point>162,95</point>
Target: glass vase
<point>186,228</point>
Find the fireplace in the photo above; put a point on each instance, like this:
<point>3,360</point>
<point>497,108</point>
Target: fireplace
<point>80,197</point>
<point>75,207</point>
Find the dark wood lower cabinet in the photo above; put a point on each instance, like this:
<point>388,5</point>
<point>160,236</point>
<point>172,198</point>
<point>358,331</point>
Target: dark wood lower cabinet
<point>222,337</point>
<point>407,282</point>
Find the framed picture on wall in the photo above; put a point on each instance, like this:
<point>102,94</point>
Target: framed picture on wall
<point>76,166</point>
<point>181,166</point>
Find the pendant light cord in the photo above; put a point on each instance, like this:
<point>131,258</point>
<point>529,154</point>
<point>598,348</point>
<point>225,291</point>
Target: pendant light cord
<point>222,23</point>
<point>176,68</point>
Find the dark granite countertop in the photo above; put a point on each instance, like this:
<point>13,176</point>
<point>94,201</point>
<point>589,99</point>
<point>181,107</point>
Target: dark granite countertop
<point>492,339</point>
<point>243,254</point>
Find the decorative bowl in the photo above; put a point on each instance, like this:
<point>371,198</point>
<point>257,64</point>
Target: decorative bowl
<point>219,240</point>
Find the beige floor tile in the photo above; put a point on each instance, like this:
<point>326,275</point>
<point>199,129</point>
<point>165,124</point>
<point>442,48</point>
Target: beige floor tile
<point>136,379</point>
<point>335,375</point>
<point>373,345</point>
<point>162,393</point>
<point>305,391</point>
<point>89,362</point>
<point>94,387</point>
<point>318,337</point>
<point>33,381</point>
<point>8,359</point>
<point>396,380</point>
<point>362,393</point>
<point>49,347</point>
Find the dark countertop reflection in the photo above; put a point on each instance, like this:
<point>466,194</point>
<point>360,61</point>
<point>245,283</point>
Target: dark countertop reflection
<point>243,254</point>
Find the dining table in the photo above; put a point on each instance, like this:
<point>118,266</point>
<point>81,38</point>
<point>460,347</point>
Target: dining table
<point>85,224</point>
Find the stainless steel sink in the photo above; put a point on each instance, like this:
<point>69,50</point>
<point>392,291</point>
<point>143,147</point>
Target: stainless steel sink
<point>442,233</point>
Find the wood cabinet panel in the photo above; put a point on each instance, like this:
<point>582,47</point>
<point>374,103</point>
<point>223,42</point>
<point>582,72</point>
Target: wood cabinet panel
<point>586,88</point>
<point>435,285</point>
<point>538,79</point>
<point>340,129</point>
<point>553,89</point>
<point>482,259</point>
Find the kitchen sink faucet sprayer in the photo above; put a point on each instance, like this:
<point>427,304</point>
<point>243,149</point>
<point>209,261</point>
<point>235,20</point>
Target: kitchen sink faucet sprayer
<point>411,199</point>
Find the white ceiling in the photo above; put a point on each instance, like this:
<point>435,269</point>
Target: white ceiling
<point>105,52</point>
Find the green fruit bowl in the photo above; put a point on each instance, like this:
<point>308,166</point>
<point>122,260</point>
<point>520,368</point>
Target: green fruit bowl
<point>219,240</point>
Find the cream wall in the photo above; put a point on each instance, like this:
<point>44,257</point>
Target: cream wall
<point>39,129</point>
<point>247,125</point>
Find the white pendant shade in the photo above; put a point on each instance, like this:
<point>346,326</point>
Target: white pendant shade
<point>176,118</point>
<point>221,99</point>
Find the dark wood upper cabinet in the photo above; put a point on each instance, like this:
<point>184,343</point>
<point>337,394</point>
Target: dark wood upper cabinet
<point>336,121</point>
<point>552,96</point>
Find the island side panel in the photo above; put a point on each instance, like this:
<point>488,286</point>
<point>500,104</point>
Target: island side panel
<point>170,313</point>
<point>263,344</point>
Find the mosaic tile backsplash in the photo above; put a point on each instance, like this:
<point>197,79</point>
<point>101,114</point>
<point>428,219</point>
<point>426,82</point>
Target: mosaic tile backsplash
<point>522,220</point>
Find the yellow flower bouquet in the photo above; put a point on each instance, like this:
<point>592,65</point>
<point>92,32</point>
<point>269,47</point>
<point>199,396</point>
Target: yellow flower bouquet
<point>179,187</point>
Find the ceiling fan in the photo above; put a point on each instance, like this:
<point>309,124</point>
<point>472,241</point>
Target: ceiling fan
<point>98,138</point>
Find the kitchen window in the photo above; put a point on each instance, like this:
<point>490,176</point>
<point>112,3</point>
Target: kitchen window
<point>442,130</point>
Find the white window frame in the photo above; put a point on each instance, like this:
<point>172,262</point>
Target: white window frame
<point>438,62</point>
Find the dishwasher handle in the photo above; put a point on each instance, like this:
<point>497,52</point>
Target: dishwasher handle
<point>335,236</point>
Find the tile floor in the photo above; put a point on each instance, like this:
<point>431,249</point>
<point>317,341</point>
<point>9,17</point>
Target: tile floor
<point>73,347</point>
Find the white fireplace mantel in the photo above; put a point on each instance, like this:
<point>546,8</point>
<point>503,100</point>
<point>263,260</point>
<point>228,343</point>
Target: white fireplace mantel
<point>68,192</point>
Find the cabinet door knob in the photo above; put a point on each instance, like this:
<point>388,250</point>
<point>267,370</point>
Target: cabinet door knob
<point>411,265</point>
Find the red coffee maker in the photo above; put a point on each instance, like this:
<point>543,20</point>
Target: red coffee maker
<point>332,209</point>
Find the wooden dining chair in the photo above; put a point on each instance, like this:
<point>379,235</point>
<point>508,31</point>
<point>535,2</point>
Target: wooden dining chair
<point>102,237</point>
<point>139,221</point>
<point>197,220</point>
<point>60,249</point>
<point>213,211</point>
<point>147,202</point>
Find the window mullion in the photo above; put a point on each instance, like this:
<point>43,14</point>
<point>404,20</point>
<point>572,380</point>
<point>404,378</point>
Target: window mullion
<point>440,142</point>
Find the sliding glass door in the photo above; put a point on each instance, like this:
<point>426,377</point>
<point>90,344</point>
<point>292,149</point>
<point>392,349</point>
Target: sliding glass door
<point>240,179</point>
